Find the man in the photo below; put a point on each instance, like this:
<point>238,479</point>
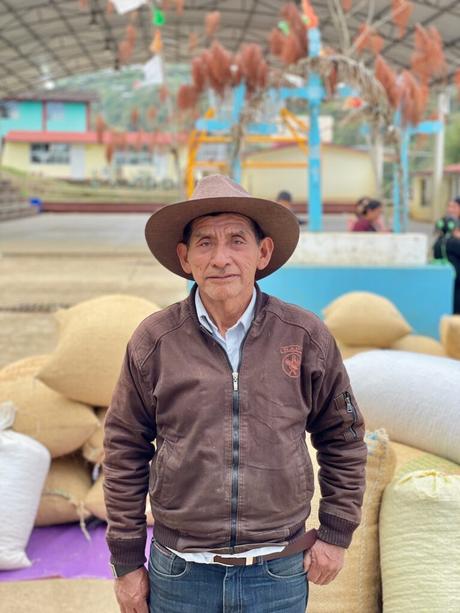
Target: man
<point>227,382</point>
<point>285,198</point>
<point>447,245</point>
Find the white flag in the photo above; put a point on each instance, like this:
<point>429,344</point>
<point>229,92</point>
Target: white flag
<point>153,71</point>
<point>124,6</point>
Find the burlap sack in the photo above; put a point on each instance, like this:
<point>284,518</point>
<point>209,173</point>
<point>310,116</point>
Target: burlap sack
<point>410,459</point>
<point>93,449</point>
<point>419,344</point>
<point>27,367</point>
<point>348,352</point>
<point>357,588</point>
<point>24,464</point>
<point>365,319</point>
<point>419,543</point>
<point>64,493</point>
<point>450,335</point>
<point>92,343</point>
<point>415,397</point>
<point>95,503</point>
<point>61,425</point>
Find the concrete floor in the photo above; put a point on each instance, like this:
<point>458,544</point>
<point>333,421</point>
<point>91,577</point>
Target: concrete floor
<point>106,233</point>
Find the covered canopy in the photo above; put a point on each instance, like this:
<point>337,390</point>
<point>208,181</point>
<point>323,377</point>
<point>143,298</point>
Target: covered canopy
<point>44,40</point>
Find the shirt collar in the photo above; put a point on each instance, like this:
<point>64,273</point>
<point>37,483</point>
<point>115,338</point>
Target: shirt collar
<point>245,320</point>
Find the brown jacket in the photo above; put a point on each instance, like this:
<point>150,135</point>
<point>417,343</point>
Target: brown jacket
<point>231,470</point>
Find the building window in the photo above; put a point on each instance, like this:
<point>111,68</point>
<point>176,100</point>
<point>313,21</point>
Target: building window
<point>50,153</point>
<point>425,192</point>
<point>54,111</point>
<point>133,157</point>
<point>9,110</point>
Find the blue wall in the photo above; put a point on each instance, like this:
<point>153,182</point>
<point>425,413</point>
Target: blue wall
<point>70,117</point>
<point>423,293</point>
<point>28,116</point>
<point>61,117</point>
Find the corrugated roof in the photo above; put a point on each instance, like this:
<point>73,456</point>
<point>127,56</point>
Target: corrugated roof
<point>43,40</point>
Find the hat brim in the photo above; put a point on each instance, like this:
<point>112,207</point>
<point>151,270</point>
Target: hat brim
<point>164,229</point>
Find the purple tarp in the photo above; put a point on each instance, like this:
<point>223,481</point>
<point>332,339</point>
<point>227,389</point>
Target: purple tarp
<point>63,551</point>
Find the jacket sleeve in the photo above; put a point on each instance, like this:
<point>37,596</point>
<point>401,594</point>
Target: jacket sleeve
<point>337,432</point>
<point>129,432</point>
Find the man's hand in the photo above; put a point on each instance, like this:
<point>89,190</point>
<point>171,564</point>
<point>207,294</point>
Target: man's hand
<point>132,591</point>
<point>323,562</point>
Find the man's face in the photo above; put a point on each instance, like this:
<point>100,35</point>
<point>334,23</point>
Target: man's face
<point>453,210</point>
<point>223,256</point>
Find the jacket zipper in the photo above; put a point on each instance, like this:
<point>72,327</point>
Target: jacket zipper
<point>351,409</point>
<point>235,436</point>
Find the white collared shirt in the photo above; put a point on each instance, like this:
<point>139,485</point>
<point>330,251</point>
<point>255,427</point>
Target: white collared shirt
<point>234,335</point>
<point>232,345</point>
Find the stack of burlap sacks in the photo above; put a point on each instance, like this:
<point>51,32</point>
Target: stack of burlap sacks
<point>405,556</point>
<point>362,321</point>
<point>406,546</point>
<point>61,400</point>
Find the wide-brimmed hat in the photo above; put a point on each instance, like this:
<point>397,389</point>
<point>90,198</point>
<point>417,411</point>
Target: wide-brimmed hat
<point>219,194</point>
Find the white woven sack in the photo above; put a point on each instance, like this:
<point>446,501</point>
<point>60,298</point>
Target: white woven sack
<point>419,543</point>
<point>415,397</point>
<point>24,464</point>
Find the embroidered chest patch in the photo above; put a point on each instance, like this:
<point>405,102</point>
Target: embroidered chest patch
<point>290,362</point>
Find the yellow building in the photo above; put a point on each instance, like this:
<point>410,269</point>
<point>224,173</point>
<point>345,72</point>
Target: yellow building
<point>346,175</point>
<point>79,156</point>
<point>421,204</point>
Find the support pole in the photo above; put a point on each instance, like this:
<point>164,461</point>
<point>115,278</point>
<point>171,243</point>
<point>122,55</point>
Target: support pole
<point>438,166</point>
<point>315,94</point>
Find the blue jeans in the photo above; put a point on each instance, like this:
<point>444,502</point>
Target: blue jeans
<point>177,586</point>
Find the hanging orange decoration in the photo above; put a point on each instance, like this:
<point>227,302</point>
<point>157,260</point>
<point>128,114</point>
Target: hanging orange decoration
<point>134,117</point>
<point>363,38</point>
<point>376,43</point>
<point>125,51</point>
<point>401,10</point>
<point>180,7</point>
<point>457,81</point>
<point>156,45</point>
<point>347,5</point>
<point>109,150</point>
<point>84,4</point>
<point>389,80</point>
<point>187,97</point>
<point>164,93</point>
<point>199,74</point>
<point>276,39</point>
<point>131,34</point>
<point>109,8</point>
<point>192,41</point>
<point>212,23</point>
<point>100,128</point>
<point>310,17</point>
<point>151,113</point>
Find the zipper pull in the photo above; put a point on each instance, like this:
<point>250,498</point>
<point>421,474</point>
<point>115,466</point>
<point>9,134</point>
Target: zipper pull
<point>350,407</point>
<point>235,381</point>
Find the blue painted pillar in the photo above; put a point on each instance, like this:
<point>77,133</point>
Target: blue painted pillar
<point>396,194</point>
<point>315,94</point>
<point>239,95</point>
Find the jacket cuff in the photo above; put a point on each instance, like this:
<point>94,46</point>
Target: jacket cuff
<point>335,530</point>
<point>127,552</point>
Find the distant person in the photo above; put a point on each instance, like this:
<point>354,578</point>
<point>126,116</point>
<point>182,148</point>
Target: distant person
<point>447,245</point>
<point>285,198</point>
<point>369,219</point>
<point>359,205</point>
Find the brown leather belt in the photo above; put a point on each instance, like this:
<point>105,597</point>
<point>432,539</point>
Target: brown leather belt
<point>306,541</point>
